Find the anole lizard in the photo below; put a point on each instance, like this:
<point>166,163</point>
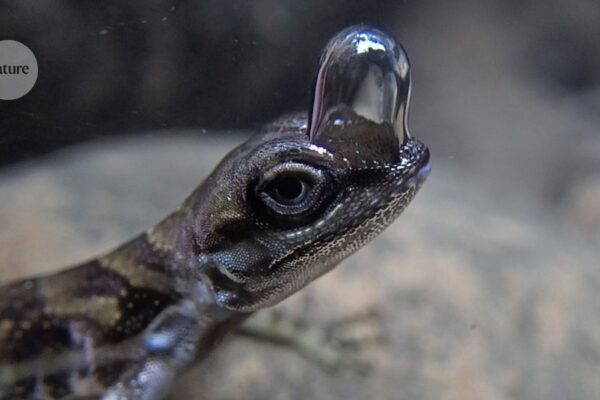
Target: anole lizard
<point>277,212</point>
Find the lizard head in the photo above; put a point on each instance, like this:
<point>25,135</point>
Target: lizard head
<point>292,202</point>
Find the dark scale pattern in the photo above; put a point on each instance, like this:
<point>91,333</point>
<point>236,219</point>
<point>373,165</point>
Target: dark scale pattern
<point>57,385</point>
<point>44,334</point>
<point>142,252</point>
<point>36,319</point>
<point>25,331</point>
<point>23,389</point>
<point>138,307</point>
<point>109,373</point>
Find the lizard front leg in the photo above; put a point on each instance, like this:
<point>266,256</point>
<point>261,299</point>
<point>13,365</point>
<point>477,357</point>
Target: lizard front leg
<point>170,343</point>
<point>149,380</point>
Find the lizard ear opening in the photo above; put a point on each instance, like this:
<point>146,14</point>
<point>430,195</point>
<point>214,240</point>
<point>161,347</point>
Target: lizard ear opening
<point>364,71</point>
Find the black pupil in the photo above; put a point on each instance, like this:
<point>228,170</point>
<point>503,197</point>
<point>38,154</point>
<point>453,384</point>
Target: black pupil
<point>289,188</point>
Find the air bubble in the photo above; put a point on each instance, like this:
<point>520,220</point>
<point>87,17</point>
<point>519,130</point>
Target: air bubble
<point>363,72</point>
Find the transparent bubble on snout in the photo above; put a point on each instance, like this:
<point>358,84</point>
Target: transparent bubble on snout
<point>366,71</point>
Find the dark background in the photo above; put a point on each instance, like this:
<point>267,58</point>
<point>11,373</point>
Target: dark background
<point>111,67</point>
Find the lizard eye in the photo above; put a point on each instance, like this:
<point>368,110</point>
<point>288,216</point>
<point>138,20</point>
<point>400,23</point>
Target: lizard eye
<point>291,189</point>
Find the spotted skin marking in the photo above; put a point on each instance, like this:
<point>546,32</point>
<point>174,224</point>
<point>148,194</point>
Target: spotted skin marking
<point>80,310</point>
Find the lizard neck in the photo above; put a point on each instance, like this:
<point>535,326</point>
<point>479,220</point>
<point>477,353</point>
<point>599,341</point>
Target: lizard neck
<point>165,259</point>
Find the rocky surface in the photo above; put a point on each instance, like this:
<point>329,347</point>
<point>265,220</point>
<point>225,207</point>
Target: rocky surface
<point>482,294</point>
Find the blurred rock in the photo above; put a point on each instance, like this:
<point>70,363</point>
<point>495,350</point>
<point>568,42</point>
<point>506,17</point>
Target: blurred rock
<point>481,296</point>
<point>580,188</point>
<point>583,204</point>
<point>487,99</point>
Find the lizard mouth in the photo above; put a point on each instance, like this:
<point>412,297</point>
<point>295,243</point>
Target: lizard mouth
<point>422,170</point>
<point>412,168</point>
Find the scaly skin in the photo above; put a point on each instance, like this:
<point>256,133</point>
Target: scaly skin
<point>279,211</point>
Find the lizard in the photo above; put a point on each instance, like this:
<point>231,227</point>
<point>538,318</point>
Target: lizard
<point>279,211</point>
